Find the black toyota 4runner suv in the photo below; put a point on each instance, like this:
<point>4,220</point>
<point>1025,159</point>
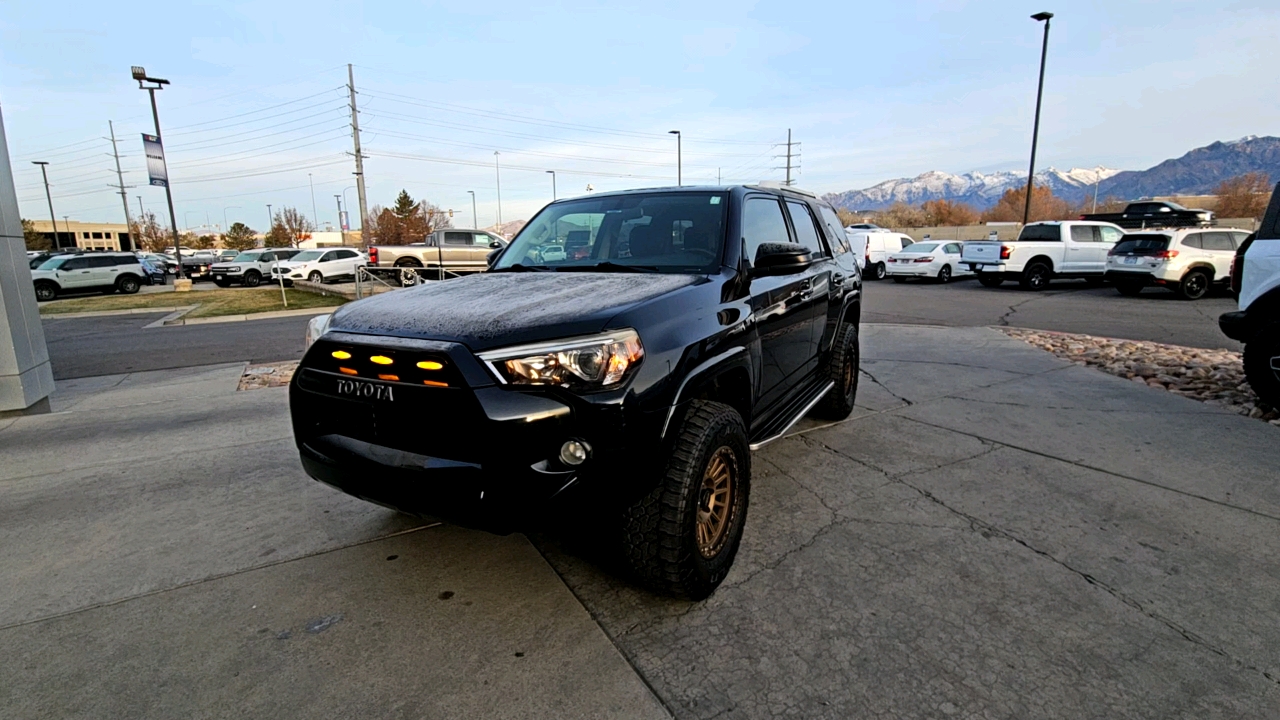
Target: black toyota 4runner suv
<point>622,356</point>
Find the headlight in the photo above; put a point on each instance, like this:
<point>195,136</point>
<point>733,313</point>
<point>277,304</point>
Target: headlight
<point>232,269</point>
<point>317,326</point>
<point>588,363</point>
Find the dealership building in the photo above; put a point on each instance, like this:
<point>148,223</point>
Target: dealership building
<point>87,236</point>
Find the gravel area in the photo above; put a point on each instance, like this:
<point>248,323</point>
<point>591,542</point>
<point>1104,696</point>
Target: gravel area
<point>1215,377</point>
<point>268,375</point>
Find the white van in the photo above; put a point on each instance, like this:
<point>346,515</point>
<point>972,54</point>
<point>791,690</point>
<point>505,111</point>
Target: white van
<point>873,248</point>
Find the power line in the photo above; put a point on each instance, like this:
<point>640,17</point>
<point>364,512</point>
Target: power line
<point>254,112</point>
<point>200,145</point>
<point>220,159</point>
<point>479,163</point>
<point>254,120</point>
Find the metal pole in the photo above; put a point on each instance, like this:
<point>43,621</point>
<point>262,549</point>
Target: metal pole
<point>315,214</point>
<point>498,174</point>
<point>52,218</point>
<point>124,196</point>
<point>788,156</point>
<point>553,185</point>
<point>474,221</point>
<point>1096,181</point>
<point>1035,131</point>
<point>271,225</point>
<point>679,159</point>
<point>141,210</point>
<point>168,193</point>
<point>355,134</point>
<point>340,228</point>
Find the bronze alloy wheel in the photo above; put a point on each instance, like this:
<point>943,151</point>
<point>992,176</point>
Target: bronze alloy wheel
<point>715,502</point>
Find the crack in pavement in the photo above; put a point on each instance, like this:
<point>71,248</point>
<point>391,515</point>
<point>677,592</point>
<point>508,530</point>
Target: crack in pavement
<point>873,379</point>
<point>991,530</point>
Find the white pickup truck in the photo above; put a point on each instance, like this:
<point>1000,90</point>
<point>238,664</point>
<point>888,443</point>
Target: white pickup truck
<point>1042,252</point>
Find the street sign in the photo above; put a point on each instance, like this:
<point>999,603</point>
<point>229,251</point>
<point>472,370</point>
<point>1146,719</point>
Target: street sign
<point>155,160</point>
<point>344,220</point>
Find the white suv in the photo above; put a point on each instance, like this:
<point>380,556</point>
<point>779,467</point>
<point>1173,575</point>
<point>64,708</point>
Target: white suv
<point>1188,261</point>
<point>1255,276</point>
<point>91,272</point>
<point>321,266</point>
<point>250,267</point>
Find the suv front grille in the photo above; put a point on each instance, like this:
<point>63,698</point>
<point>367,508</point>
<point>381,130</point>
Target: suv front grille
<point>410,367</point>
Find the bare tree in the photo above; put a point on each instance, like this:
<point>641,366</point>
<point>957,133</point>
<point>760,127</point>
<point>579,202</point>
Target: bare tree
<point>1243,196</point>
<point>290,227</point>
<point>1044,206</point>
<point>148,234</point>
<point>34,240</point>
<point>948,213</point>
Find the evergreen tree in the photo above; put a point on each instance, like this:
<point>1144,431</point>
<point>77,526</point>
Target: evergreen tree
<point>405,207</point>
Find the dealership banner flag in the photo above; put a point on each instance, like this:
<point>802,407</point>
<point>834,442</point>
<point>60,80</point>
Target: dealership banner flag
<point>155,160</point>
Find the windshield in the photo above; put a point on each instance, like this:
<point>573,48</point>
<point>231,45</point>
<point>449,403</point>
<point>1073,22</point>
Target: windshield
<point>920,248</point>
<point>246,257</point>
<point>52,263</point>
<point>306,256</point>
<point>679,232</point>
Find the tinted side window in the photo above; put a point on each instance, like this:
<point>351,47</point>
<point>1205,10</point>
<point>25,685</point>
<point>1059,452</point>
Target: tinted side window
<point>1194,240</point>
<point>904,241</point>
<point>762,222</point>
<point>79,263</point>
<point>1041,232</point>
<point>951,249</point>
<point>346,254</point>
<point>835,233</point>
<point>806,231</point>
<point>327,257</point>
<point>267,257</point>
<point>457,238</point>
<point>101,261</point>
<point>1237,238</point>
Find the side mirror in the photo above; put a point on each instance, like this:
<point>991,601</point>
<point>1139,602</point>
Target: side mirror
<point>495,245</point>
<point>492,256</point>
<point>782,258</point>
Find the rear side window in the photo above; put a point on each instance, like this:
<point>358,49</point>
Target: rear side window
<point>806,231</point>
<point>1110,234</point>
<point>952,249</point>
<point>1238,238</point>
<point>1142,244</point>
<point>457,238</point>
<point>102,261</point>
<point>1218,241</point>
<point>762,222</point>
<point>1084,233</point>
<point>835,233</point>
<point>1041,232</point>
<point>1194,240</point>
<point>904,241</point>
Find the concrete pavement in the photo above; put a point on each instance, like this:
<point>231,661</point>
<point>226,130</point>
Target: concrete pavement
<point>995,533</point>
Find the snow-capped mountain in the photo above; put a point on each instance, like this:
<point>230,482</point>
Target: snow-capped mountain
<point>1197,172</point>
<point>978,189</point>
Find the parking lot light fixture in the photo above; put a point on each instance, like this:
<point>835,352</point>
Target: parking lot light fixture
<point>151,85</point>
<point>679,161</point>
<point>1035,130</point>
<point>474,221</point>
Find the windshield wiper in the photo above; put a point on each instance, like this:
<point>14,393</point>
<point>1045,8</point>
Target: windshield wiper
<point>608,266</point>
<point>519,267</point>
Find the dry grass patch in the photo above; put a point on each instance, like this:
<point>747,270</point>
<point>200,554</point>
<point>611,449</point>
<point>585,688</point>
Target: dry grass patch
<point>240,301</point>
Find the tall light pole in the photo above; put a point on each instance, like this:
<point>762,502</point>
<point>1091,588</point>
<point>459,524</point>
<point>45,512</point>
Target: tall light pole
<point>315,214</point>
<point>679,160</point>
<point>1035,131</point>
<point>498,175</point>
<point>140,74</point>
<point>474,222</point>
<point>553,185</point>
<point>341,230</point>
<point>141,210</point>
<point>226,225</point>
<point>47,196</point>
<point>185,221</point>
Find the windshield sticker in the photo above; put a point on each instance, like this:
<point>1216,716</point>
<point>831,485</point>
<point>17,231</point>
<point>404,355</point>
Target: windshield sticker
<point>715,199</point>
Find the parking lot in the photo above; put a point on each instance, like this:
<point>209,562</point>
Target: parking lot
<point>994,533</point>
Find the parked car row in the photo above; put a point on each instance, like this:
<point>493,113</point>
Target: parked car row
<point>1188,260</point>
<point>106,272</point>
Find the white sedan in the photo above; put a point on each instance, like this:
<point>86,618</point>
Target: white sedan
<point>937,260</point>
<point>320,266</point>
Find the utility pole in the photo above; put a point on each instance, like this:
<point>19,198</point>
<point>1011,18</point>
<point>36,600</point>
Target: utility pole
<point>1035,131</point>
<point>140,75</point>
<point>498,174</point>
<point>355,135</point>
<point>315,214</point>
<point>124,196</point>
<point>789,144</point>
<point>52,218</point>
<point>474,221</point>
<point>271,225</point>
<point>553,185</point>
<point>1096,181</point>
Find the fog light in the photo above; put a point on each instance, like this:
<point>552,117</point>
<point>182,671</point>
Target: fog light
<point>574,452</point>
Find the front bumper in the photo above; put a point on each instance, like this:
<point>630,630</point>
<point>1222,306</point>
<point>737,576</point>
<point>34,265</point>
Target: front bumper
<point>474,453</point>
<point>1236,326</point>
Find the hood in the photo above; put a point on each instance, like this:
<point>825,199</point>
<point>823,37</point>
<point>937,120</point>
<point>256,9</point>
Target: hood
<point>491,310</point>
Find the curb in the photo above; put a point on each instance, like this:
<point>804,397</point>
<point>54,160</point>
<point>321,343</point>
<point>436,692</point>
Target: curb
<point>242,318</point>
<point>104,313</point>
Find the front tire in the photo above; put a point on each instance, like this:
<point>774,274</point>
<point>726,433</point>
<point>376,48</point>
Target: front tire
<point>251,279</point>
<point>990,281</point>
<point>1262,364</point>
<point>1035,276</point>
<point>842,369</point>
<point>316,277</point>
<point>681,538</point>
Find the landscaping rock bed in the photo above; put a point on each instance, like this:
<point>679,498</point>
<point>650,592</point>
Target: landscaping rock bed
<point>1215,377</point>
<point>267,375</point>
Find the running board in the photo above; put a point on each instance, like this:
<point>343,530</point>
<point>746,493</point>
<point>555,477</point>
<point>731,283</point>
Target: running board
<point>803,411</point>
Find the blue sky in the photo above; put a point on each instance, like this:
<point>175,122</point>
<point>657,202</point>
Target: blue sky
<point>872,91</point>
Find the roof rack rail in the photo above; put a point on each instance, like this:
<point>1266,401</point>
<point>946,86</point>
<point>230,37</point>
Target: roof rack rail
<point>775,185</point>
